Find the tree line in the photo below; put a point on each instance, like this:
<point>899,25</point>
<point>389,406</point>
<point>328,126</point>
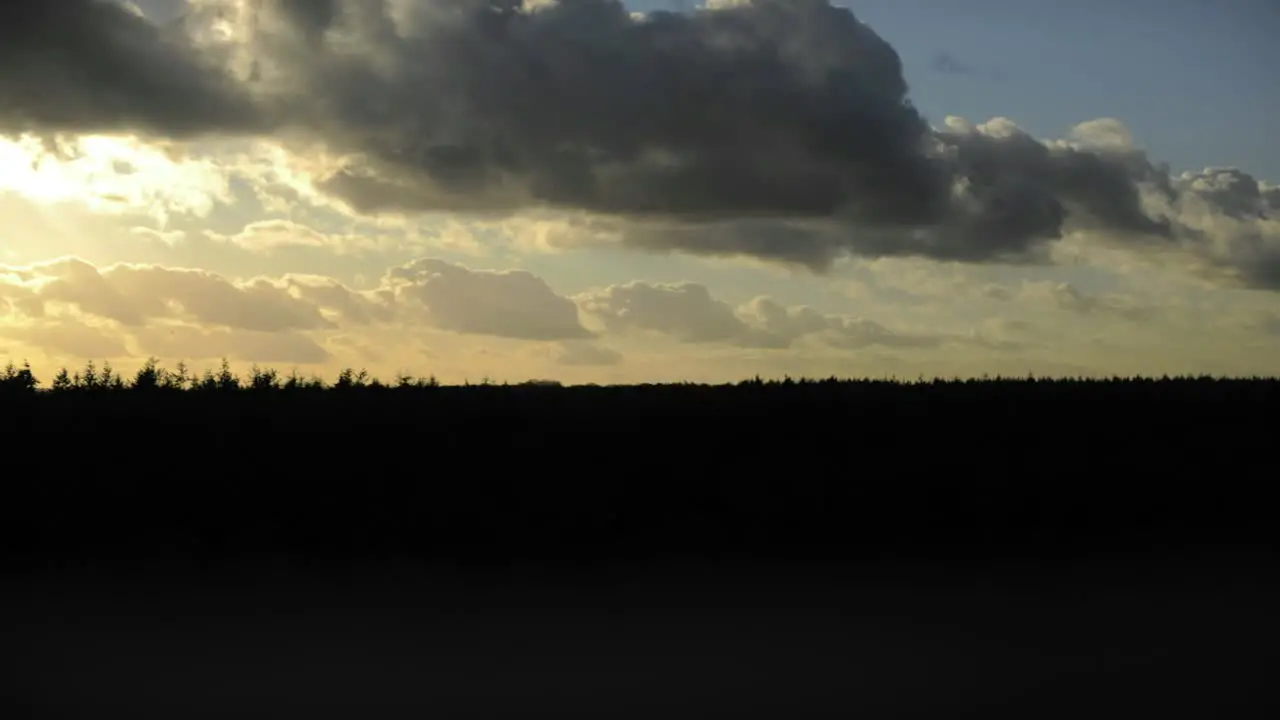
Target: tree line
<point>211,469</point>
<point>20,378</point>
<point>151,376</point>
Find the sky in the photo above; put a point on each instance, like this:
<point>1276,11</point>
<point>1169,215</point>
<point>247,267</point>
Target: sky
<point>587,192</point>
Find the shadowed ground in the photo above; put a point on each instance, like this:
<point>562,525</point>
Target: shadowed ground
<point>1170,642</point>
<point>1011,549</point>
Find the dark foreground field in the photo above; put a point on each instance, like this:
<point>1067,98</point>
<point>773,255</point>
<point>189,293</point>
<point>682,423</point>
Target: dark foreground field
<point>1032,549</point>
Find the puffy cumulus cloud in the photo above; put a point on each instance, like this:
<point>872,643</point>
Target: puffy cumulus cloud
<point>178,312</point>
<point>425,293</point>
<point>430,316</point>
<point>334,299</point>
<point>685,311</point>
<point>689,313</point>
<point>780,129</point>
<point>17,296</point>
<point>1232,220</point>
<point>71,309</point>
<point>134,295</point>
<point>509,303</point>
<point>1104,133</point>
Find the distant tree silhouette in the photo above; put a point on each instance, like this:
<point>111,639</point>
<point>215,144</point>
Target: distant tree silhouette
<point>263,379</point>
<point>63,381</point>
<point>109,379</point>
<point>349,378</point>
<point>148,376</point>
<point>18,379</point>
<point>788,468</point>
<point>88,378</point>
<point>180,379</point>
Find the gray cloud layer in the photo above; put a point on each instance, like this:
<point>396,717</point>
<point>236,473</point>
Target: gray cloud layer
<point>780,129</point>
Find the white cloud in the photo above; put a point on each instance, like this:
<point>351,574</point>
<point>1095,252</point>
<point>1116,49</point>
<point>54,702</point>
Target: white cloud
<point>133,295</point>
<point>685,311</point>
<point>509,303</point>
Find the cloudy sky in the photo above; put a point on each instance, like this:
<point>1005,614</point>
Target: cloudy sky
<point>594,192</point>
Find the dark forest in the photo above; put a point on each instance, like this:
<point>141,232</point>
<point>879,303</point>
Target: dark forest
<point>1024,547</point>
<point>210,470</point>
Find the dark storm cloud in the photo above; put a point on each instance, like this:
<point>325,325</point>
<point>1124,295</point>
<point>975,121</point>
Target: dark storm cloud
<point>92,66</point>
<point>780,109</point>
<point>780,129</point>
<point>1019,191</point>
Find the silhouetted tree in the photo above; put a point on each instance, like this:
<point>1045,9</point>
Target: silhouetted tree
<point>148,376</point>
<point>108,378</point>
<point>348,378</point>
<point>88,378</point>
<point>263,380</point>
<point>18,379</point>
<point>179,378</point>
<point>62,381</point>
<point>226,380</point>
